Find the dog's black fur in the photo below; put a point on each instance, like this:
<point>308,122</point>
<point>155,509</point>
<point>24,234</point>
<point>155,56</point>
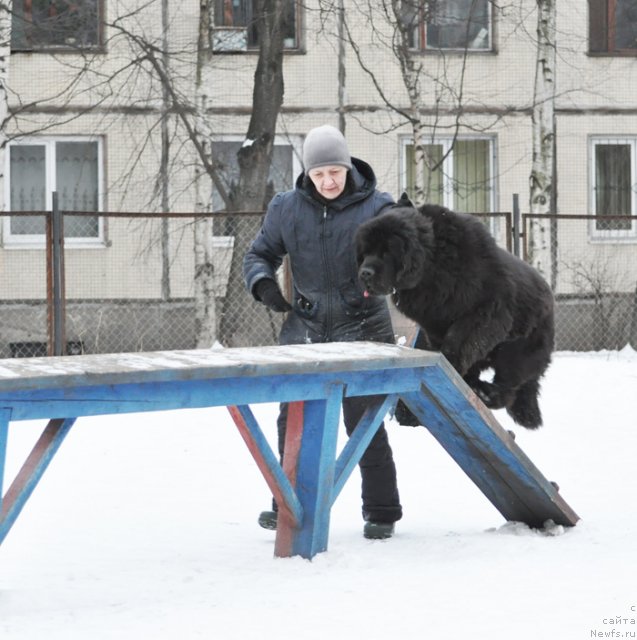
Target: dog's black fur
<point>479,305</point>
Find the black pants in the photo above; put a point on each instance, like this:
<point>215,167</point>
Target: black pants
<point>381,502</point>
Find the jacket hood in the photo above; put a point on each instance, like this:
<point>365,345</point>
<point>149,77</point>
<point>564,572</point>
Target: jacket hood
<point>361,177</point>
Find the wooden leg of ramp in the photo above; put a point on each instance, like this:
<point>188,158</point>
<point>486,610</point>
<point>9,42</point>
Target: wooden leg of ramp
<point>32,470</point>
<point>309,464</point>
<point>485,451</point>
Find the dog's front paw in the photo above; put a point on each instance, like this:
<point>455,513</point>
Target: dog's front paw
<point>488,393</point>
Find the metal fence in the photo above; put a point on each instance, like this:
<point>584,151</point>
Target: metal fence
<point>591,265</point>
<point>129,283</point>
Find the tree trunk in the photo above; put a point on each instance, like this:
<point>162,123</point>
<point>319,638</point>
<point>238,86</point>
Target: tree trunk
<point>5,52</point>
<point>543,120</point>
<point>205,301</point>
<point>242,324</point>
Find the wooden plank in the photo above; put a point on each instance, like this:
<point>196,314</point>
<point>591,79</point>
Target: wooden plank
<point>46,402</point>
<point>286,529</point>
<point>5,415</point>
<point>31,472</point>
<point>359,440</point>
<point>314,465</point>
<point>161,366</point>
<point>486,452</point>
<point>268,463</point>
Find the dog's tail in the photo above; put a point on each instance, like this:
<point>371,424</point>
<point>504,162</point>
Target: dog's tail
<point>525,409</point>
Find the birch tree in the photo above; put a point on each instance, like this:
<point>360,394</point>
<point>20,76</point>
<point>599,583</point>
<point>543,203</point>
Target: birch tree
<point>541,187</point>
<point>205,304</point>
<point>5,52</point>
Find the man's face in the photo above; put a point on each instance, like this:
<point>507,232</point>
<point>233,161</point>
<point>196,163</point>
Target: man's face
<point>329,180</point>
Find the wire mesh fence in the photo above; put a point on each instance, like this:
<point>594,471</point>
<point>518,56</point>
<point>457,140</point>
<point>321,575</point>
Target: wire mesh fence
<point>133,282</point>
<point>591,264</point>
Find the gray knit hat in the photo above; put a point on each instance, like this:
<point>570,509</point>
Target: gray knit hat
<point>323,146</point>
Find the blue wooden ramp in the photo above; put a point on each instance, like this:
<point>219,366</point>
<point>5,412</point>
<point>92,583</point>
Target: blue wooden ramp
<point>314,379</point>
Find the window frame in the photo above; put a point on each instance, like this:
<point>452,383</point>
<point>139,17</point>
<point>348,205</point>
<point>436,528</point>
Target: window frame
<point>37,240</point>
<point>232,39</point>
<point>601,31</point>
<point>70,48</point>
<point>612,235</point>
<point>420,37</point>
<point>449,193</point>
<point>290,140</point>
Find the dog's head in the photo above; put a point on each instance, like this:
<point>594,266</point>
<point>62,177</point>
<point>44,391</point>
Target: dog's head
<point>392,250</point>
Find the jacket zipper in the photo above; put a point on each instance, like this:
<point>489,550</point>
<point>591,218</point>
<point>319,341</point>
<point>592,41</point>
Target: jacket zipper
<point>328,310</point>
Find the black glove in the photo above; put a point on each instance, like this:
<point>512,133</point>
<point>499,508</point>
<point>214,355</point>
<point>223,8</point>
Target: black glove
<point>268,292</point>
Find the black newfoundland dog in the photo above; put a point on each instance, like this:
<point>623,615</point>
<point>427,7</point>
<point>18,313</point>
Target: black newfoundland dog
<point>480,306</point>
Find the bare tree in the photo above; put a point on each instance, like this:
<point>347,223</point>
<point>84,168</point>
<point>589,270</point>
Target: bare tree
<point>594,278</point>
<point>433,96</point>
<point>176,109</point>
<point>255,156</point>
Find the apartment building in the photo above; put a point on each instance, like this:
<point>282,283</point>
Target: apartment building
<point>93,122</point>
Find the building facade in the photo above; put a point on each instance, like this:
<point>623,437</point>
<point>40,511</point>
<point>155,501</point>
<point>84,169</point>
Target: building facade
<point>100,91</point>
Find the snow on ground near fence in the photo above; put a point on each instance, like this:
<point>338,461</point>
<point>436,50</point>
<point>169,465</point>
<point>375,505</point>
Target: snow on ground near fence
<point>145,526</point>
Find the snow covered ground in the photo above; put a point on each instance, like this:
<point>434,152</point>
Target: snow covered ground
<point>145,526</point>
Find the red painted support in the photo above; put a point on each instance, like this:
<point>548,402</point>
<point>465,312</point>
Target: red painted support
<point>286,529</point>
<point>32,470</point>
<point>268,463</point>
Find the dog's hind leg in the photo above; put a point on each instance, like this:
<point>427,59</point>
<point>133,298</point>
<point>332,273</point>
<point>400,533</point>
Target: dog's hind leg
<point>472,337</point>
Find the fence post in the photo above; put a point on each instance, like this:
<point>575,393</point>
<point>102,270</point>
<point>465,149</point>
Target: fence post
<point>57,332</point>
<point>516,225</point>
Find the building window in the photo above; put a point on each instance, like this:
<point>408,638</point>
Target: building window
<point>613,26</point>
<point>283,170</point>
<point>236,26</point>
<point>459,175</point>
<point>448,25</point>
<point>38,167</point>
<point>46,24</point>
<point>614,187</point>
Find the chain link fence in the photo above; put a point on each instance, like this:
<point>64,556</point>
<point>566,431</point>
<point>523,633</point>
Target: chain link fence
<point>131,282</point>
<point>591,264</point>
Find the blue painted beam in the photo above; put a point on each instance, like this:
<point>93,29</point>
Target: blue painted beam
<point>100,399</point>
<point>358,442</point>
<point>485,451</point>
<point>5,415</point>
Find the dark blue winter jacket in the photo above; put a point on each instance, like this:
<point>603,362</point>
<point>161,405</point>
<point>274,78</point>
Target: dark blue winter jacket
<point>327,300</point>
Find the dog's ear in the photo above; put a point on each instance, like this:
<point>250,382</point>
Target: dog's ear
<point>404,200</point>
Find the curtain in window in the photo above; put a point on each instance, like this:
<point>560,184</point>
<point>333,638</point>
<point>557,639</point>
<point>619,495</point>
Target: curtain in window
<point>28,187</point>
<point>458,24</point>
<point>471,176</point>
<point>77,186</point>
<point>468,182</point>
<point>612,185</point>
<point>76,180</point>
